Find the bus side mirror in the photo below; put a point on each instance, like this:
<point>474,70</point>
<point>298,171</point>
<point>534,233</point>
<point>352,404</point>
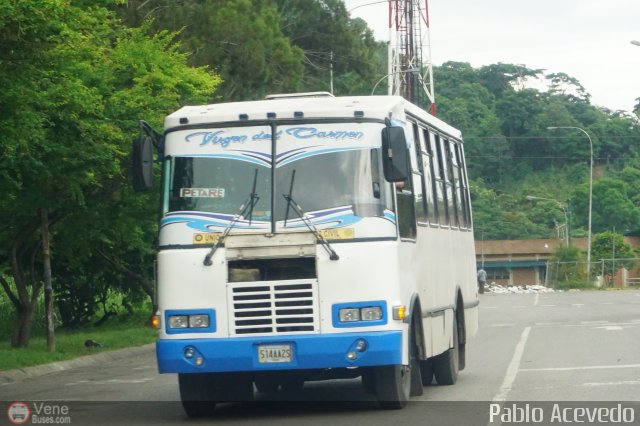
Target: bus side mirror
<point>142,163</point>
<point>395,158</point>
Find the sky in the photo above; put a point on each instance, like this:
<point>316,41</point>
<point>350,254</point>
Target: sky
<point>589,40</point>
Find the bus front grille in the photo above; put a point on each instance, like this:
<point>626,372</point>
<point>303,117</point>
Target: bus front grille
<point>274,307</point>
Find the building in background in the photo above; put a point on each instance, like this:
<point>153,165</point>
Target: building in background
<point>525,262</point>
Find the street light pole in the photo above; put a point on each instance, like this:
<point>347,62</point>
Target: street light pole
<point>590,191</point>
<point>389,75</point>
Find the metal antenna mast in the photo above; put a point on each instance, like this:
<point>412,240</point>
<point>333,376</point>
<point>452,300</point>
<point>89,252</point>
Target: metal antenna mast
<point>410,68</point>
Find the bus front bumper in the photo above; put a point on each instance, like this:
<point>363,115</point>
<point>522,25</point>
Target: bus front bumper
<point>316,351</point>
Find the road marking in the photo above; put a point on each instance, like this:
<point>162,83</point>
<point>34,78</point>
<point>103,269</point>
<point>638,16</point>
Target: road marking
<point>577,305</point>
<point>557,324</point>
<point>79,382</point>
<point>588,367</point>
<point>512,369</point>
<point>611,327</point>
<point>593,322</point>
<point>495,307</point>
<point>548,306</point>
<point>111,381</point>
<point>624,382</point>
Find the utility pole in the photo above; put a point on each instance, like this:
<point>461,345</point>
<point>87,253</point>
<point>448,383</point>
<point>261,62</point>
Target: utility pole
<point>613,257</point>
<point>331,72</point>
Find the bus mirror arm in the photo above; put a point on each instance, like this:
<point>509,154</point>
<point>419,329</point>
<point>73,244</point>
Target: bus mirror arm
<point>296,208</point>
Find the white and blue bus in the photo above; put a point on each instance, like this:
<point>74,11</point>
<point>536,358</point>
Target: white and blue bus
<point>309,237</point>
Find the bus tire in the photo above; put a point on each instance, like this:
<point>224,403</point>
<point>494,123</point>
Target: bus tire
<point>446,365</point>
<point>198,393</point>
<point>414,363</point>
<point>393,386</point>
<point>369,381</point>
<point>426,372</point>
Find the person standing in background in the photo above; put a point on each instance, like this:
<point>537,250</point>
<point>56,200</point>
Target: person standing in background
<point>482,279</point>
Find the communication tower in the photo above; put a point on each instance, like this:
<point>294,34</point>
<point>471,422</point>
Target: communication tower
<point>410,68</point>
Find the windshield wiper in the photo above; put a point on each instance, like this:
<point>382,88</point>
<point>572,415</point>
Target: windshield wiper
<point>247,205</point>
<point>301,214</point>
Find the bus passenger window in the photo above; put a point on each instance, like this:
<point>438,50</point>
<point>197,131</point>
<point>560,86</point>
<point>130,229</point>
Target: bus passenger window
<point>441,183</point>
<point>429,178</point>
<point>418,177</point>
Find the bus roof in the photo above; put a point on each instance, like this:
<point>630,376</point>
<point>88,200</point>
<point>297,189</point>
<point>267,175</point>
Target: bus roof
<point>311,105</point>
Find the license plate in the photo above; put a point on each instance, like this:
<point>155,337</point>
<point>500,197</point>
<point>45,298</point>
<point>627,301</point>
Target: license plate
<point>274,353</point>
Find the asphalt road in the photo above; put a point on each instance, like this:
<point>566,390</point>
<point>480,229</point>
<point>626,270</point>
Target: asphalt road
<point>572,346</point>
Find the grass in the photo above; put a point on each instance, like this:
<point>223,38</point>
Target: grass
<point>70,344</point>
<point>123,330</point>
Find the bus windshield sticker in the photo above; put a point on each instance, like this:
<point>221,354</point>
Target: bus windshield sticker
<point>202,192</point>
<point>202,238</point>
<point>338,233</point>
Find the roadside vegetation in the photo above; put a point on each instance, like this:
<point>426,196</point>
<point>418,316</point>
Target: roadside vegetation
<point>124,329</point>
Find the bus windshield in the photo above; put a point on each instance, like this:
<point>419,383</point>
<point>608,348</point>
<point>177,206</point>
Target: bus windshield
<point>323,182</point>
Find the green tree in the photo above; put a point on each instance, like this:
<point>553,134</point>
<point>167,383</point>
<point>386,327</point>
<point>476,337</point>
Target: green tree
<point>75,83</point>
<point>611,246</point>
<point>612,205</point>
<point>241,39</point>
<point>332,41</point>
<point>564,267</point>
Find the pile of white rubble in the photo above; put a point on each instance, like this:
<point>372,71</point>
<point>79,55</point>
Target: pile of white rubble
<point>497,288</point>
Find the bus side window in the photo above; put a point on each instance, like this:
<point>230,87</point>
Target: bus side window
<point>429,177</point>
<point>464,186</point>
<point>441,183</point>
<point>448,178</point>
<point>454,167</point>
<point>418,176</point>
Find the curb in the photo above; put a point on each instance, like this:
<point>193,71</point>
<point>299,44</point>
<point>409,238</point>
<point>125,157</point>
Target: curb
<point>16,375</point>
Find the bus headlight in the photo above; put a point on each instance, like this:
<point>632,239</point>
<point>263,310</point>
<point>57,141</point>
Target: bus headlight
<point>371,313</point>
<point>178,321</point>
<point>349,314</point>
<point>359,314</point>
<point>198,321</point>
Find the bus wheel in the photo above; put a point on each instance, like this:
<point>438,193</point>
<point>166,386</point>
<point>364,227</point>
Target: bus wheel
<point>369,381</point>
<point>426,372</point>
<point>414,364</point>
<point>198,392</point>
<point>447,364</point>
<point>395,384</point>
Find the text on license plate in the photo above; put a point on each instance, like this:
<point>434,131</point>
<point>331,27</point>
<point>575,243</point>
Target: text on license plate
<point>274,353</point>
